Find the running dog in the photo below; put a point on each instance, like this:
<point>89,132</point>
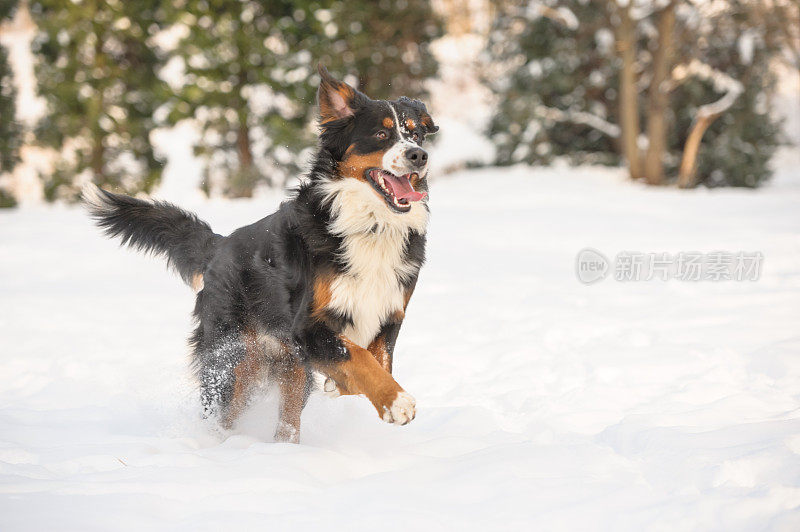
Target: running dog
<point>319,286</point>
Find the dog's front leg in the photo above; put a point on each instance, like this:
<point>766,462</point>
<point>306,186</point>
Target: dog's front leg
<point>382,347</point>
<point>353,368</point>
<point>361,373</point>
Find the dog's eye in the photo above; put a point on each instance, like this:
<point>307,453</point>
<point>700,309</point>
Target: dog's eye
<point>415,137</point>
<point>382,135</point>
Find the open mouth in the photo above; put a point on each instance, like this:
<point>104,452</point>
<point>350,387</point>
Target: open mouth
<point>396,190</point>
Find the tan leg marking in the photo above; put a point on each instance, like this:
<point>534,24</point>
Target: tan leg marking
<point>381,354</point>
<point>407,297</point>
<point>378,346</point>
<point>362,374</point>
<point>291,379</point>
<point>246,374</point>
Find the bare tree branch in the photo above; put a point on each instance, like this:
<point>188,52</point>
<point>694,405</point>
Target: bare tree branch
<point>706,114</point>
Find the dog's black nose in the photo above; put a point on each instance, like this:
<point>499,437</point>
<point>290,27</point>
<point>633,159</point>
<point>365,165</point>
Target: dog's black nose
<point>417,156</point>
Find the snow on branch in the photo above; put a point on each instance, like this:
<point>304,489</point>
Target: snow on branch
<point>579,117</point>
<point>719,80</point>
<point>706,114</point>
<point>641,9</point>
<point>562,14</point>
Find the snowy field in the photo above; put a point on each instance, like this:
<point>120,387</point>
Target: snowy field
<point>543,403</point>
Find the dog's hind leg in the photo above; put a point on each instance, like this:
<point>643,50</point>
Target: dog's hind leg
<point>246,374</point>
<point>294,383</point>
<point>227,367</point>
<point>216,389</point>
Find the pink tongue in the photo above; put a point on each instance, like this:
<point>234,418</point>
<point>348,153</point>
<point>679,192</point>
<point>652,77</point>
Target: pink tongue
<point>401,188</point>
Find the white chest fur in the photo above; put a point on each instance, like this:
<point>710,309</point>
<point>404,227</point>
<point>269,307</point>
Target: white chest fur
<point>370,290</point>
<point>374,249</point>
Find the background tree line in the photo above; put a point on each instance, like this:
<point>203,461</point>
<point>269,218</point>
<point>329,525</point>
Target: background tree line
<point>244,70</point>
<point>678,91</point>
<point>644,83</point>
<point>10,130</point>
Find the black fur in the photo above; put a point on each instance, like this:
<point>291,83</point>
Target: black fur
<point>260,277</point>
<point>157,227</point>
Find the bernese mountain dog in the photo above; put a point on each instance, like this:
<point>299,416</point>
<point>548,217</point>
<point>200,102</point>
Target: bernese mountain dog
<point>319,287</point>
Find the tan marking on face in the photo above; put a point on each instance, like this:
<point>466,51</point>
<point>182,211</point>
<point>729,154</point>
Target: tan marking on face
<point>410,124</point>
<point>354,165</point>
<point>427,121</point>
<point>388,123</point>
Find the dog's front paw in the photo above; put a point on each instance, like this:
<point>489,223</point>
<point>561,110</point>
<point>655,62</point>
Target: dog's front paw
<point>401,411</point>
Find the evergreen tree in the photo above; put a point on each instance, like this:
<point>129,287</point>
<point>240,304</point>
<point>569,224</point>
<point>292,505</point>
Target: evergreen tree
<point>551,68</point>
<point>561,83</point>
<point>247,66</point>
<point>385,44</point>
<point>97,71</point>
<point>10,129</point>
<point>251,75</point>
<point>737,147</point>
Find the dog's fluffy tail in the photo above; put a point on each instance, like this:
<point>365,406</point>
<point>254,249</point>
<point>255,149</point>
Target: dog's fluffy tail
<point>155,227</point>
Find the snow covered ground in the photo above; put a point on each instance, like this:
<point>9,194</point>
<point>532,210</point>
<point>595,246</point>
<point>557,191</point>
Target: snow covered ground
<point>544,403</point>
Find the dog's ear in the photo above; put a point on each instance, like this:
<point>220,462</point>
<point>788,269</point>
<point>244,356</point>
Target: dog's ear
<point>427,121</point>
<point>425,118</point>
<point>336,99</point>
